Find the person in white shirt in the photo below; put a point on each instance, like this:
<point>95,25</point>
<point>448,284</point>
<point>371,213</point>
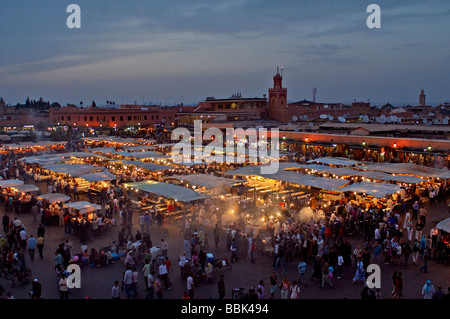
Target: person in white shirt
<point>190,286</point>
<point>128,280</point>
<point>433,235</point>
<point>164,275</point>
<point>115,291</point>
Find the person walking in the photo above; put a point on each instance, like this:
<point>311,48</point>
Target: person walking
<point>399,285</point>
<point>216,235</point>
<point>295,290</point>
<point>426,256</point>
<point>221,287</point>
<point>127,281</point>
<point>134,281</point>
<point>326,274</point>
<point>115,290</point>
<point>146,271</point>
<point>285,288</point>
<point>273,285</point>
<point>63,287</point>
<point>360,275</point>
<point>151,285</point>
<point>190,285</point>
<point>301,273</point>
<point>164,247</point>
<point>428,290</point>
<point>31,246</point>
<point>36,289</point>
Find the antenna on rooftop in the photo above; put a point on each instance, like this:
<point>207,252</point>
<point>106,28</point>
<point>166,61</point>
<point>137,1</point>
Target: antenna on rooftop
<point>314,91</point>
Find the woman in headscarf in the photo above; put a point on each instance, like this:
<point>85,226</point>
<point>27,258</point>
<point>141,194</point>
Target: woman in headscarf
<point>360,275</point>
<point>428,290</point>
<point>423,245</point>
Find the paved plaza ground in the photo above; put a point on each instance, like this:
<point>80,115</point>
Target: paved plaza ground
<point>97,282</point>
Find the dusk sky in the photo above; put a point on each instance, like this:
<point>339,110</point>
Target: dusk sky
<point>183,51</point>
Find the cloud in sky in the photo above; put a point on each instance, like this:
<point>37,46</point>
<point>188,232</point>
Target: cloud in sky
<point>193,49</point>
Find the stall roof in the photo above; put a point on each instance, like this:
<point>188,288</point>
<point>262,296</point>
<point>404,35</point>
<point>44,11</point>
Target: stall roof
<point>378,190</point>
<point>98,176</point>
<point>80,155</point>
<point>307,179</point>
<point>10,182</point>
<point>168,190</point>
<point>256,169</point>
<point>75,170</point>
<point>205,180</point>
<point>54,197</point>
<point>41,159</point>
<point>142,155</point>
<point>83,207</point>
<point>444,225</point>
<point>148,166</point>
<point>403,179</point>
<point>408,169</point>
<point>25,188</point>
<point>338,161</point>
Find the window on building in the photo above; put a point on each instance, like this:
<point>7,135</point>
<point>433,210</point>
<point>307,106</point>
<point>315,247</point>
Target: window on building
<point>62,118</point>
<point>153,117</point>
<point>68,118</point>
<point>113,118</point>
<point>85,118</point>
<point>129,117</point>
<point>121,118</point>
<point>91,118</point>
<point>145,117</point>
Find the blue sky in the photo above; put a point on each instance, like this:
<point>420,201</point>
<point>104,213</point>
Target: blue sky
<point>183,51</point>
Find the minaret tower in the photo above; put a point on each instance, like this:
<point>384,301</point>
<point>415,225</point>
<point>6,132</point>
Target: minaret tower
<point>278,99</point>
<point>422,98</point>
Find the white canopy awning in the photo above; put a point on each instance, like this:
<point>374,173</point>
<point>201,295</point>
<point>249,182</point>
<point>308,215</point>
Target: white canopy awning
<point>75,170</point>
<point>307,180</point>
<point>148,166</point>
<point>25,188</point>
<point>206,180</point>
<point>408,169</point>
<point>98,176</point>
<point>10,183</point>
<point>444,225</point>
<point>83,207</point>
<point>338,161</point>
<point>378,190</point>
<point>167,190</point>
<point>54,197</point>
<point>256,169</point>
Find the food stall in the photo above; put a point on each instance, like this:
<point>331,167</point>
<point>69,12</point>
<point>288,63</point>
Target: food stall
<point>444,227</point>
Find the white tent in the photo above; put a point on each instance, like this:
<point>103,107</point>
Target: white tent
<point>54,197</point>
<point>75,170</point>
<point>444,225</point>
<point>338,161</point>
<point>378,190</point>
<point>205,180</point>
<point>10,183</point>
<point>168,190</point>
<point>98,176</point>
<point>307,179</point>
<point>27,188</point>
<point>408,169</point>
<point>404,179</point>
<point>256,169</point>
<point>83,207</point>
<point>142,155</point>
<point>148,166</point>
